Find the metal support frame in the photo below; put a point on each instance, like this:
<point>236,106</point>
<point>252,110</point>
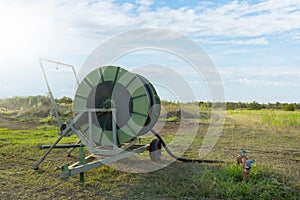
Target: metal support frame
<point>109,156</point>
<point>54,104</point>
<point>86,163</point>
<point>73,148</point>
<point>65,132</point>
<point>92,148</point>
<point>61,146</point>
<point>36,165</point>
<point>78,168</point>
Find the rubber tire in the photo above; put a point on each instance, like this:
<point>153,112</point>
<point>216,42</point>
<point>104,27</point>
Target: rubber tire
<point>155,150</point>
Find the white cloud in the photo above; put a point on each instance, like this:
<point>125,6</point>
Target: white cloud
<point>262,83</point>
<point>144,5</point>
<point>232,19</point>
<point>127,7</point>
<point>76,25</point>
<point>259,72</point>
<point>253,41</point>
<point>261,76</point>
<point>59,28</point>
<point>296,36</point>
<point>241,19</point>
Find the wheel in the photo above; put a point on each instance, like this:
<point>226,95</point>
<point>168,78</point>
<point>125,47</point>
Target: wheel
<point>155,150</point>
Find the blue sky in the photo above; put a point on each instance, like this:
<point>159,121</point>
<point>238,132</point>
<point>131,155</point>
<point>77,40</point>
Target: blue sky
<point>255,45</point>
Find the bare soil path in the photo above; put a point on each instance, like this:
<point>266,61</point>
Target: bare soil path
<point>16,125</point>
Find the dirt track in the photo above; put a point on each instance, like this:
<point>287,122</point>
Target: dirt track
<point>161,126</point>
<point>29,125</point>
<point>15,125</point>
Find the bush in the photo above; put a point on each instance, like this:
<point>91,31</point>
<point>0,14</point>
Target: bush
<point>254,106</point>
<point>288,107</point>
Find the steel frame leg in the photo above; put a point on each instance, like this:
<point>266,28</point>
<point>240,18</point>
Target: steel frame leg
<point>35,166</point>
<point>78,168</point>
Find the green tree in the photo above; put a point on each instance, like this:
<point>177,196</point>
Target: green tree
<point>230,105</point>
<point>241,105</point>
<point>278,105</point>
<point>254,106</point>
<point>288,107</point>
<point>65,100</point>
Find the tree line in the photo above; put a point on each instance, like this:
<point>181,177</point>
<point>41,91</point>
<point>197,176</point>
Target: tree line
<point>258,106</point>
<point>16,103</point>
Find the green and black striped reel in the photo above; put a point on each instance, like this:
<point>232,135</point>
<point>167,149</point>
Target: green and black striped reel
<point>133,96</point>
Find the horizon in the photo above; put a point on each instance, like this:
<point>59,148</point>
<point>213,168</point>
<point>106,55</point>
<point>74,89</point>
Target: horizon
<point>168,101</point>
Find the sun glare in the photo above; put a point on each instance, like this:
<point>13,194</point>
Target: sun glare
<point>20,32</point>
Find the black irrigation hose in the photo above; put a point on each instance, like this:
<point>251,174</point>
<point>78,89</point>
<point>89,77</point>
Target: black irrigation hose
<point>179,158</point>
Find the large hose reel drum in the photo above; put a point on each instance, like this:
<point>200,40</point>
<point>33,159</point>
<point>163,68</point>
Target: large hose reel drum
<point>133,97</point>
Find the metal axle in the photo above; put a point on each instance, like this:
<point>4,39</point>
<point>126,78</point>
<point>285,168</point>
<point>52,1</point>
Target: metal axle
<point>61,146</point>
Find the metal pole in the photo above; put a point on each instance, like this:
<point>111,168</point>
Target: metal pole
<point>51,94</point>
<point>60,63</point>
<point>61,146</point>
<point>114,130</point>
<point>81,162</point>
<point>64,133</point>
<point>90,144</point>
<point>72,149</point>
<point>36,165</point>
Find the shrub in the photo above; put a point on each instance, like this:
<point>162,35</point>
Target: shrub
<point>288,107</point>
<point>254,106</point>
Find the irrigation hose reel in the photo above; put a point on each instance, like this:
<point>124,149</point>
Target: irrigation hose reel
<point>115,107</point>
<point>112,107</point>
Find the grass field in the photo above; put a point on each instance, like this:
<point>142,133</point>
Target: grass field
<point>270,137</point>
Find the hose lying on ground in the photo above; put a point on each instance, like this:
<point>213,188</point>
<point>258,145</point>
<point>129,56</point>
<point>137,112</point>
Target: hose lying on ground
<point>179,158</point>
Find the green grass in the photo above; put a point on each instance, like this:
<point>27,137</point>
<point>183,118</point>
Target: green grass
<point>275,175</point>
<point>282,118</point>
